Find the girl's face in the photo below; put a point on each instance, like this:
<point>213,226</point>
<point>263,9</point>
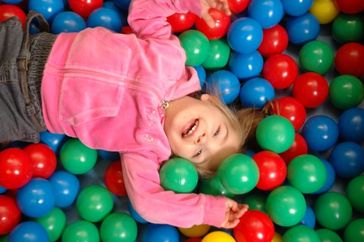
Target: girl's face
<point>199,131</point>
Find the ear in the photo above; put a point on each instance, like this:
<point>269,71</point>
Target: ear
<point>205,97</point>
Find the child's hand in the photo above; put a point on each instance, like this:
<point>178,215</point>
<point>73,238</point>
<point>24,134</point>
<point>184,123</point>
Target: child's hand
<point>233,212</point>
<point>218,4</point>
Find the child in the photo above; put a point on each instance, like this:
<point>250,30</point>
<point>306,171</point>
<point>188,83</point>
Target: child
<point>130,94</point>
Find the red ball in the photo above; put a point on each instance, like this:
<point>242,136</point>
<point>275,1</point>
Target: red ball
<point>43,158</point>
<point>7,11</point>
<point>350,6</point>
<point>291,109</point>
<point>126,30</point>
<point>181,21</point>
<point>15,168</point>
<point>10,214</point>
<point>299,147</point>
<point>275,41</point>
<point>84,7</point>
<point>193,240</point>
<point>272,170</point>
<point>238,6</point>
<point>254,226</point>
<point>280,70</point>
<point>222,23</point>
<point>349,59</point>
<point>310,89</point>
<point>113,179</point>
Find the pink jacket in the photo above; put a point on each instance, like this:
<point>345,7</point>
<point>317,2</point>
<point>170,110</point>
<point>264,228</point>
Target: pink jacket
<point>106,89</point>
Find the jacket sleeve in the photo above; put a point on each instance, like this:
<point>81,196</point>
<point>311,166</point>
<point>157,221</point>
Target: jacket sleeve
<point>156,205</point>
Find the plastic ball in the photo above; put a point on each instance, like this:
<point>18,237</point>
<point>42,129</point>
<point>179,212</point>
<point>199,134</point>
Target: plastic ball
<point>105,17</point>
<point>54,223</point>
<point>310,89</point>
<point>254,226</point>
<point>256,92</point>
<point>320,132</point>
<point>330,180</point>
<point>275,133</point>
<point>302,29</point>
<point>159,232</point>
<point>350,6</point>
<point>286,206</point>
<point>238,173</point>
<point>108,155</point>
<point>65,188</point>
<point>272,170</point>
<point>275,41</point>
<point>328,235</point>
<point>181,21</point>
<point>226,83</point>
<point>12,1</point>
<point>255,200</point>
<point>28,232</point>
<point>316,56</point>
<point>36,199</point>
<point>347,158</point>
<point>201,73</point>
<point>80,230</point>
<point>76,157</point>
<point>54,141</point>
<point>196,46</point>
<point>346,91</point>
<point>135,214</point>
<point>67,22</point>
<point>195,231</point>
<point>267,12</point>
<point>84,7</point>
<point>351,125</point>
<point>2,189</point>
<point>193,240</point>
<point>43,158</point>
<point>113,179</point>
<point>355,193</point>
<point>333,210</point>
<point>245,35</point>
<point>16,168</point>
<point>324,10</point>
<point>296,7</point>
<point>348,58</point>
<point>246,66</point>
<point>300,233</point>
<point>299,147</point>
<point>48,8</point>
<point>348,28</point>
<point>213,186</point>
<point>354,232</point>
<point>94,202</point>
<point>118,227</point>
<point>277,237</point>
<point>222,23</point>
<point>10,214</point>
<point>7,11</point>
<point>238,6</point>
<point>309,219</point>
<point>218,236</point>
<point>122,4</point>
<point>218,55</point>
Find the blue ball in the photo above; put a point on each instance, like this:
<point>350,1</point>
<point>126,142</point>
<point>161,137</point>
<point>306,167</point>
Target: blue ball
<point>226,83</point>
<point>347,158</point>
<point>309,219</point>
<point>36,198</point>
<point>330,179</point>
<point>201,72</point>
<point>28,232</point>
<point>320,132</point>
<point>67,22</point>
<point>267,12</point>
<point>351,125</point>
<point>302,29</point>
<point>48,8</point>
<point>246,66</point>
<point>122,4</point>
<point>245,35</point>
<point>2,189</point>
<point>256,92</point>
<point>160,233</point>
<point>135,214</point>
<point>11,1</point>
<point>105,17</point>
<point>108,155</point>
<point>296,7</point>
<point>54,141</point>
<point>65,188</point>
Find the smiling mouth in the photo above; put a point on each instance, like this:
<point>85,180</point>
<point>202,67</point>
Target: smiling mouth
<point>190,129</point>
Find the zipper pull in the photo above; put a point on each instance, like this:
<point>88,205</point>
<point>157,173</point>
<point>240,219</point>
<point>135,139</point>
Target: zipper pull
<point>165,104</point>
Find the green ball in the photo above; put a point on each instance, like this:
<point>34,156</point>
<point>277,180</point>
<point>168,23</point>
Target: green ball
<point>76,157</point>
<point>4,239</point>
<point>218,55</point>
<point>54,223</point>
<point>333,210</point>
<point>346,91</point>
<point>275,133</point>
<point>196,46</point>
<point>94,202</point>
<point>307,173</point>
<point>118,227</point>
<point>348,28</point>
<point>238,174</point>
<point>300,233</point>
<point>286,206</point>
<point>213,186</point>
<point>327,235</point>
<point>355,193</point>
<point>179,175</point>
<point>354,232</point>
<point>316,56</point>
<point>255,200</point>
<point>81,231</point>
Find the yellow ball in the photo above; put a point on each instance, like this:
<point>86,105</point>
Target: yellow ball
<point>195,231</point>
<point>277,238</point>
<point>218,236</point>
<point>324,10</point>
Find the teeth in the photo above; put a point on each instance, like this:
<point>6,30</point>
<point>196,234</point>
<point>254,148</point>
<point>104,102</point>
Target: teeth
<point>192,129</point>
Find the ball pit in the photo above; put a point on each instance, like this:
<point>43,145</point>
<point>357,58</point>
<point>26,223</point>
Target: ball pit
<point>319,52</point>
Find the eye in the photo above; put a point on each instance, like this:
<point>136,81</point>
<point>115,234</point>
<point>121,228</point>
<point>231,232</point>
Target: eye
<point>197,154</point>
<point>217,131</point>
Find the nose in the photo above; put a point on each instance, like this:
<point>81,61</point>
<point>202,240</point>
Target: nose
<point>201,138</point>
